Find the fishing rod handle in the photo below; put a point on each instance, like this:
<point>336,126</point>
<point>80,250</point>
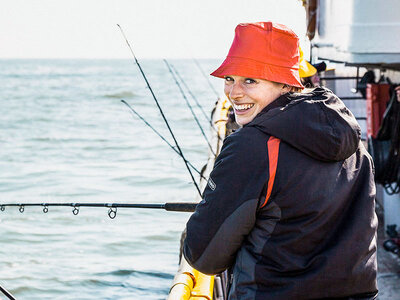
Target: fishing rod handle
<point>179,206</point>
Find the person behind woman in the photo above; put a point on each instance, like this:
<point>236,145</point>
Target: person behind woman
<point>289,205</point>
<point>309,74</point>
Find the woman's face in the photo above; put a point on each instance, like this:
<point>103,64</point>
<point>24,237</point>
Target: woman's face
<point>249,96</point>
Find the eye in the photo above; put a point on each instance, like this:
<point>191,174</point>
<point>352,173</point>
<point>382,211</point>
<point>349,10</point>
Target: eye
<point>229,79</point>
<point>250,81</point>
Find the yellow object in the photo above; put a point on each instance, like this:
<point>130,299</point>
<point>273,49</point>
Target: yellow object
<point>223,116</point>
<point>190,284</point>
<point>221,111</point>
<point>305,68</point>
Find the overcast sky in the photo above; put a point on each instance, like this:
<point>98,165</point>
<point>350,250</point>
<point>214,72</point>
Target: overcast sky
<point>155,28</point>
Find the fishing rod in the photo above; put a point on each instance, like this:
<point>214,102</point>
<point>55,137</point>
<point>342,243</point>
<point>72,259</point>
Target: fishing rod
<point>206,77</point>
<point>112,212</point>
<point>196,101</point>
<point>163,138</point>
<point>192,95</point>
<point>7,293</point>
<point>189,106</point>
<point>161,111</point>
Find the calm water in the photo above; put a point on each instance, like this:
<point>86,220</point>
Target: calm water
<point>66,137</point>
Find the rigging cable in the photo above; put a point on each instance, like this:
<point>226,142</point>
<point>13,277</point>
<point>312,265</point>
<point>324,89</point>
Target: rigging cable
<point>161,111</point>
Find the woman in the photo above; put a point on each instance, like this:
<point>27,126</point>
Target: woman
<point>289,205</point>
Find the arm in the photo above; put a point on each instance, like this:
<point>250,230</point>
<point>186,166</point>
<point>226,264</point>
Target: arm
<point>227,213</point>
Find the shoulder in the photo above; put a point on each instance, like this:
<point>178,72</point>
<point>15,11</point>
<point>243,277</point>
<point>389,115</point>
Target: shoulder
<point>246,147</point>
<point>249,139</point>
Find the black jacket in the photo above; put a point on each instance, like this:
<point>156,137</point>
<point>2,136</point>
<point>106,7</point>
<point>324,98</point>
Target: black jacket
<point>289,205</point>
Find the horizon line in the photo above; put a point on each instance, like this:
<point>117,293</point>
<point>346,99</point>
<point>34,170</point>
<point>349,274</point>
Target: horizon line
<point>103,58</point>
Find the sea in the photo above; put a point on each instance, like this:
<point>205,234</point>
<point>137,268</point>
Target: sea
<point>65,136</point>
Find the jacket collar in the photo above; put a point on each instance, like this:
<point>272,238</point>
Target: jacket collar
<point>281,101</point>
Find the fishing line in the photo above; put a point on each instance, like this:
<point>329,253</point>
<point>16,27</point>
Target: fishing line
<point>159,134</point>
<point>189,106</point>
<point>161,111</point>
<point>196,101</point>
<point>192,95</point>
<point>206,77</point>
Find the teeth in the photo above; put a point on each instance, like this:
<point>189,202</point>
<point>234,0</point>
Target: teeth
<point>243,106</point>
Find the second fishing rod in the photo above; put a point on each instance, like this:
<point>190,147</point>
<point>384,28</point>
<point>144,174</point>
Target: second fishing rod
<point>161,111</point>
<point>134,112</point>
<point>170,69</point>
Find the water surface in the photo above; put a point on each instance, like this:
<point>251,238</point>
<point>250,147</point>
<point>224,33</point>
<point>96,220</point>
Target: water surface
<point>66,137</point>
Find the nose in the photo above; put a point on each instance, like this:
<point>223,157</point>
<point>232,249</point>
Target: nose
<point>234,91</point>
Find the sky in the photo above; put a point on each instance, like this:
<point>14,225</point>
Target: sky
<point>154,28</point>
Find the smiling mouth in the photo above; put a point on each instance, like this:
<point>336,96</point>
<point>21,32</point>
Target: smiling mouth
<point>242,107</point>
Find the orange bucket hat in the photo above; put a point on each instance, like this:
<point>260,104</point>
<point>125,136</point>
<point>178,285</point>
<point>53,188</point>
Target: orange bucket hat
<point>263,50</point>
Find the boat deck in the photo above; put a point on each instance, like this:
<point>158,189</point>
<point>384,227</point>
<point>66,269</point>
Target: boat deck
<point>388,266</point>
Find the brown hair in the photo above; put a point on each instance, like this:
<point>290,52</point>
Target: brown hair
<point>292,89</point>
<point>295,89</point>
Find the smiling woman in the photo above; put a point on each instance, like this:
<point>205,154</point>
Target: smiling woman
<point>258,70</point>
<point>282,214</point>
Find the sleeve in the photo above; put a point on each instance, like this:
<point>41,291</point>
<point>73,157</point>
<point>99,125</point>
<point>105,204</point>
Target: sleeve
<point>227,213</point>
